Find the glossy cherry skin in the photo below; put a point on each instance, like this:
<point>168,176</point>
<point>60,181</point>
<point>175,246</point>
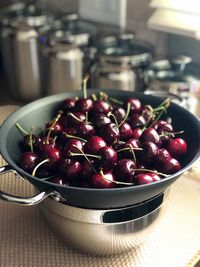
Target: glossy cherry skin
<point>85,130</point>
<point>94,144</point>
<point>110,133</point>
<point>125,131</point>
<point>53,155</point>
<point>70,169</point>
<point>162,156</point>
<point>150,135</point>
<point>119,113</point>
<point>68,104</point>
<point>28,161</point>
<point>100,119</point>
<point>146,178</point>
<point>177,147</point>
<point>108,158</point>
<point>56,129</point>
<point>46,142</point>
<point>84,105</point>
<point>124,170</point>
<point>73,146</point>
<point>171,166</point>
<point>101,106</point>
<point>149,153</point>
<point>137,120</point>
<point>135,105</point>
<point>103,181</point>
<point>136,133</point>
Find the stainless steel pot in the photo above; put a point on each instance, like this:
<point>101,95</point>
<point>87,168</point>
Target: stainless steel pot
<point>120,62</point>
<point>66,51</point>
<point>177,76</point>
<point>97,231</point>
<point>63,68</point>
<point>20,51</point>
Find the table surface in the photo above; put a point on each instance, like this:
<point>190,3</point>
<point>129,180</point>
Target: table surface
<point>27,241</point>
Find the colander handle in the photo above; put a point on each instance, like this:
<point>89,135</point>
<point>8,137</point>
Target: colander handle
<point>29,201</point>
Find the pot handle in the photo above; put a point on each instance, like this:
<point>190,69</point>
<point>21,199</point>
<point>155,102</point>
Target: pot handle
<point>23,200</point>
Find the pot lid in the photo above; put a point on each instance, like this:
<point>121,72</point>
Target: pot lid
<point>125,45</point>
<point>72,30</point>
<point>28,14</point>
<point>175,70</point>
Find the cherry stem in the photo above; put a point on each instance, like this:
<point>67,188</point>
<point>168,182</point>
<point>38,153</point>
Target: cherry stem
<point>114,117</point>
<point>115,101</point>
<point>41,163</point>
<point>86,116</point>
<point>127,114</point>
<point>148,170</point>
<point>31,140</point>
<point>169,133</point>
<point>75,137</point>
<point>128,148</point>
<point>86,157</point>
<point>113,181</point>
<point>76,118</point>
<point>22,131</point>
<point>94,97</point>
<point>85,86</point>
<point>52,125</point>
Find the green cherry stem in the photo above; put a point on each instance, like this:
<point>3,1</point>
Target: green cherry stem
<point>53,124</point>
<point>22,131</point>
<point>41,163</point>
<point>75,137</point>
<point>113,181</point>
<point>31,139</point>
<point>127,114</point>
<point>87,155</point>
<point>148,170</point>
<point>76,118</point>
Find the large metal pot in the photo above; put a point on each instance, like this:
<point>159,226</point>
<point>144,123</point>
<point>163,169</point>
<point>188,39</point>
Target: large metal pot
<point>120,62</point>
<point>41,111</point>
<point>66,53</point>
<point>20,50</point>
<point>177,76</point>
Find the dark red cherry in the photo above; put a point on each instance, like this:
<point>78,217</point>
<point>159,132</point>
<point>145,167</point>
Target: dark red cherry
<point>135,105</point>
<point>35,141</point>
<point>137,120</point>
<point>46,142</point>
<point>171,166</point>
<point>100,119</point>
<point>73,146</point>
<point>94,144</point>
<point>70,168</point>
<point>110,133</point>
<point>87,169</point>
<point>165,128</point>
<point>136,133</point>
<point>124,170</point>
<point>108,158</point>
<point>125,131</point>
<point>149,153</point>
<point>68,104</point>
<point>150,135</point>
<point>146,178</point>
<point>103,180</point>
<point>53,155</point>
<point>28,161</point>
<point>119,113</point>
<point>101,106</point>
<point>177,147</point>
<point>163,156</point>
<point>56,129</point>
<point>85,130</point>
<point>131,144</point>
<point>158,123</point>
<point>75,118</point>
<point>84,105</point>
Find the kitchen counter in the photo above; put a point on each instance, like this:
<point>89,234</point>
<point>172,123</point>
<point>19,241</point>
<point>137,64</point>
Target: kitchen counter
<point>27,241</point>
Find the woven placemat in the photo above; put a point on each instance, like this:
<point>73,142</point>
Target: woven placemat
<point>25,239</point>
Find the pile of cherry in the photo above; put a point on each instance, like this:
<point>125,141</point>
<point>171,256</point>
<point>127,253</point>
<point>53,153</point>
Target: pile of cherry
<point>101,142</point>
